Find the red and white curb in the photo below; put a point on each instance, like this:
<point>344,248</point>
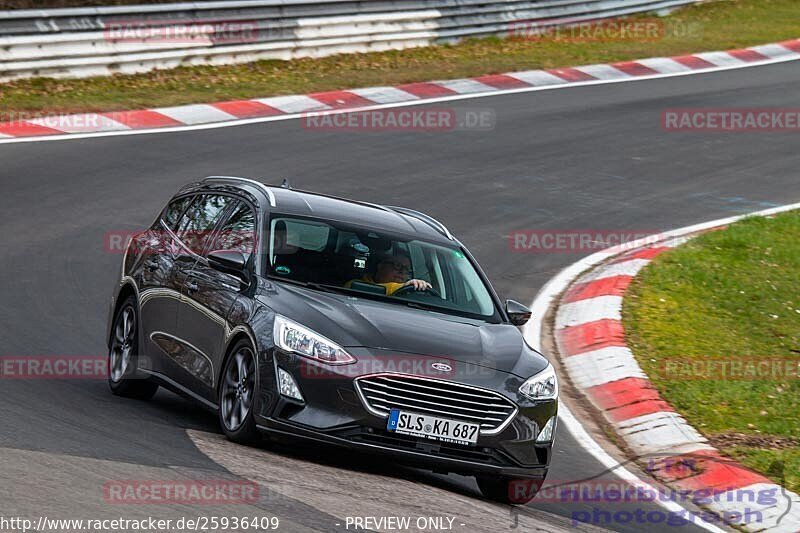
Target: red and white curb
<point>284,107</point>
<point>587,298</point>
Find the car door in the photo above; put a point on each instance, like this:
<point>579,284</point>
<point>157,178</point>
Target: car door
<point>158,293</point>
<point>181,358</point>
<point>209,295</point>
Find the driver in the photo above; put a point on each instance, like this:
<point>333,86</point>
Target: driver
<point>392,272</point>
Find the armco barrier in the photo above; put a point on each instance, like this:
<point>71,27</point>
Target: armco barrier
<point>83,42</point>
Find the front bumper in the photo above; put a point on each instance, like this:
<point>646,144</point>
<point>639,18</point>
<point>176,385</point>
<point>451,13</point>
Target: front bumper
<point>333,413</point>
<point>426,456</point>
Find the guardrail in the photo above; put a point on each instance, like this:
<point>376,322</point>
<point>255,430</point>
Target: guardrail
<point>83,42</point>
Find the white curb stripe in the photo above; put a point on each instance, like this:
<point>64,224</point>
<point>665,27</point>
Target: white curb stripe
<point>774,51</point>
<point>384,95</point>
<point>674,242</point>
<point>779,508</point>
<point>610,270</point>
<point>603,72</point>
<point>195,114</point>
<point>294,104</point>
<point>589,310</point>
<point>465,86</point>
<point>664,65</point>
<point>537,78</point>
<point>602,366</point>
<point>720,59</point>
<point>659,433</point>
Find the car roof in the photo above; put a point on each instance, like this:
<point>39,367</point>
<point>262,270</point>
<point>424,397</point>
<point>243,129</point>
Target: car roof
<point>289,201</point>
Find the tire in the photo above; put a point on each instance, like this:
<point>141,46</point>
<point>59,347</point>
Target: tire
<point>238,390</point>
<point>122,355</point>
<point>510,491</point>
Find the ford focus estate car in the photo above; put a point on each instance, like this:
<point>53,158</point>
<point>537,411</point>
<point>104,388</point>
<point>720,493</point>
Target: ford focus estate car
<point>296,315</point>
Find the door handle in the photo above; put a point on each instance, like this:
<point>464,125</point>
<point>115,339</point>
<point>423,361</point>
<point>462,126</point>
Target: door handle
<point>191,286</point>
<point>151,265</point>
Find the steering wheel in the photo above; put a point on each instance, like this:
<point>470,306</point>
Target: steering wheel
<point>408,289</point>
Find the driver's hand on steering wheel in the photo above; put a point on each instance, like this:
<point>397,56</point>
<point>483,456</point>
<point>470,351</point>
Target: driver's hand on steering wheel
<point>418,284</point>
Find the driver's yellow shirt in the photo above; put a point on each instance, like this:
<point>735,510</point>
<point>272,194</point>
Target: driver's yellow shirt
<point>391,287</point>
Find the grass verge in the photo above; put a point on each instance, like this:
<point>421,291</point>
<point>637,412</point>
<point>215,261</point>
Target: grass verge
<point>714,26</point>
<point>725,297</point>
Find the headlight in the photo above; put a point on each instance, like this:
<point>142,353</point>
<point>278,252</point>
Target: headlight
<point>293,337</point>
<point>542,386</point>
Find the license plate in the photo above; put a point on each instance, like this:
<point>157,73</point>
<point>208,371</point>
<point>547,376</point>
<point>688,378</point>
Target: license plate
<point>432,427</point>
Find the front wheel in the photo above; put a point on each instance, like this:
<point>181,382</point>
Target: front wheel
<point>122,355</point>
<point>237,394</point>
<point>509,490</point>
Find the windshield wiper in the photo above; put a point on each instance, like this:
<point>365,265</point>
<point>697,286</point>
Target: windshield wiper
<point>310,284</point>
<point>424,307</point>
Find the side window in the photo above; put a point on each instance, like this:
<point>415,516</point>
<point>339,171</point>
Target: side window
<point>174,210</point>
<point>239,232</point>
<point>197,223</point>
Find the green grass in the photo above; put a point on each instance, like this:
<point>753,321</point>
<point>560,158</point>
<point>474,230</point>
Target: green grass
<point>730,294</point>
<point>713,26</point>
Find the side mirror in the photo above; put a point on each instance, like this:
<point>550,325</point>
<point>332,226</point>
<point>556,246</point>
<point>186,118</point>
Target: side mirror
<point>517,313</point>
<point>229,262</point>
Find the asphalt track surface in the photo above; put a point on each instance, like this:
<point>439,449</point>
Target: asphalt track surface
<point>591,157</point>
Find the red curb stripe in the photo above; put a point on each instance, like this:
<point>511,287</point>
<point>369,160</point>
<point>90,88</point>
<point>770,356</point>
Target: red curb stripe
<point>142,119</point>
<point>26,129</point>
<point>644,253</point>
<point>793,45</point>
<point>634,69</point>
<point>613,286</point>
<point>693,62</point>
<point>621,393</point>
<point>341,99</point>
<point>426,90</point>
<point>718,473</point>
<point>501,81</point>
<point>570,74</point>
<point>247,109</point>
<point>621,414</point>
<point>591,336</point>
<point>747,55</point>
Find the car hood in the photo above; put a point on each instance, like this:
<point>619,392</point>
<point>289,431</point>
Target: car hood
<point>391,328</point>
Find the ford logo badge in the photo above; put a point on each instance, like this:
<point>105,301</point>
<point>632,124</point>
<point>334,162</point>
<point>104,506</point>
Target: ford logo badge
<point>442,366</point>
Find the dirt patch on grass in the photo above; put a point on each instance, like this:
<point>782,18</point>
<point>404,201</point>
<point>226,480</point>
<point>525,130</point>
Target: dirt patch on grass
<point>763,442</point>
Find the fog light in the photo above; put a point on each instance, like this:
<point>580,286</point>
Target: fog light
<point>287,386</point>
<point>546,434</point>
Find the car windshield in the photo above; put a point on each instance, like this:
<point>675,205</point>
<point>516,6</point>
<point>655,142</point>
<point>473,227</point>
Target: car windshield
<point>330,256</point>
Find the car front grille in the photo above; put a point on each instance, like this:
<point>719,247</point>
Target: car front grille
<point>446,399</point>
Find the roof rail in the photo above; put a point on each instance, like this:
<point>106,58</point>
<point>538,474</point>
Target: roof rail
<point>258,184</point>
<point>438,226</point>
